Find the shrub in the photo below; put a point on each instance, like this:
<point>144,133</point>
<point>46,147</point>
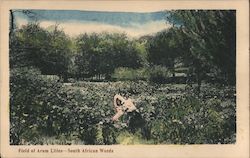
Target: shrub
<point>159,74</point>
<point>123,74</point>
<point>31,97</point>
<point>43,112</point>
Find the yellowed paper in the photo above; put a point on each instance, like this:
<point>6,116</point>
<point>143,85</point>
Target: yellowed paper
<point>240,149</point>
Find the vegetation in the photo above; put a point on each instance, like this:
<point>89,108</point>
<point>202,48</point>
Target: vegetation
<point>182,81</point>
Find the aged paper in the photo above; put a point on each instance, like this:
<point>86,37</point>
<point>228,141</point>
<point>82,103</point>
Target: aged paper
<point>239,149</point>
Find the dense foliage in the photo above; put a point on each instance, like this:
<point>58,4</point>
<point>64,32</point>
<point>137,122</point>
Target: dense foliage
<point>81,112</point>
<point>182,81</point>
<point>49,51</point>
<point>101,54</point>
<point>213,40</point>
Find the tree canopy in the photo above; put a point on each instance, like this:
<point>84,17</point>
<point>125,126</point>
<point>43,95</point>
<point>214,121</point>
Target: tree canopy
<point>202,41</point>
<point>213,38</point>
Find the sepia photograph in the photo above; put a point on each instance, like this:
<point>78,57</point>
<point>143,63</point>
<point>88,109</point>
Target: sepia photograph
<point>96,77</point>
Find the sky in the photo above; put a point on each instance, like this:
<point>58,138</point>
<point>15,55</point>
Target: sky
<point>75,22</point>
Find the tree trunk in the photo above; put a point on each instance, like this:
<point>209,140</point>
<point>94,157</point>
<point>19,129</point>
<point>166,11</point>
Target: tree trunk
<point>172,68</point>
<point>11,22</point>
<point>49,126</point>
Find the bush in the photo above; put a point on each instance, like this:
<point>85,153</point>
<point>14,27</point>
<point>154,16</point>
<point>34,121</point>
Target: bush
<point>155,74</point>
<point>124,74</point>
<point>31,97</point>
<point>41,107</point>
<point>159,74</point>
<point>43,112</point>
<point>188,119</point>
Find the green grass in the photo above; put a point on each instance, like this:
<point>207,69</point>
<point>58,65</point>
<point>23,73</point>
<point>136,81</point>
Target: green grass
<point>126,138</point>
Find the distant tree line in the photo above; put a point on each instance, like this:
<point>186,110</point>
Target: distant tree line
<point>201,43</point>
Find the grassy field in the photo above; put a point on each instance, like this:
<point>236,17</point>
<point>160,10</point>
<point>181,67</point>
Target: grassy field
<point>174,113</point>
<point>81,112</point>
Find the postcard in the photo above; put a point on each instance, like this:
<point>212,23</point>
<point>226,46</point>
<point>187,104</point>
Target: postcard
<point>124,79</point>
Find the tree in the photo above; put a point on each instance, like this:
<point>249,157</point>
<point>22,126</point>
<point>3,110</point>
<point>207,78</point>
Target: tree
<point>27,44</point>
<point>213,40</point>
<point>32,45</point>
<point>58,56</point>
<point>85,58</point>
<point>166,47</point>
<point>28,13</point>
<point>100,54</point>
